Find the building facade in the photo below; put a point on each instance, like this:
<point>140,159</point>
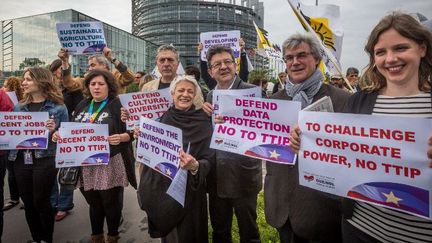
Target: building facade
<point>181,21</point>
<point>33,40</point>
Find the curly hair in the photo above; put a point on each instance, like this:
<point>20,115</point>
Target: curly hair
<point>13,84</point>
<point>45,82</point>
<point>409,28</point>
<point>109,79</point>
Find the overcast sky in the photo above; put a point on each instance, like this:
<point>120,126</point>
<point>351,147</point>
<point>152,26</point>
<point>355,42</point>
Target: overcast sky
<point>358,17</point>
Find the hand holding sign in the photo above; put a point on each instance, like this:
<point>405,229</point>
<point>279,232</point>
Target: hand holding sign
<point>295,139</point>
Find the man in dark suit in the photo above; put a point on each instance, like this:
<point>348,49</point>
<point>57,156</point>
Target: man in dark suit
<point>235,181</point>
<point>301,214</point>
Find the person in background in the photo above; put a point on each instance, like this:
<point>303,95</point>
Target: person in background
<point>12,84</point>
<point>35,169</point>
<point>337,81</point>
<point>5,105</point>
<point>123,76</point>
<point>352,74</point>
<point>147,78</point>
<point>260,78</point>
<point>195,72</point>
<point>62,197</point>
<point>134,87</point>
<point>166,217</point>
<point>281,82</point>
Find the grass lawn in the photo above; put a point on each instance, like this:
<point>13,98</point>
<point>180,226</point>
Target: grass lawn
<point>268,234</point>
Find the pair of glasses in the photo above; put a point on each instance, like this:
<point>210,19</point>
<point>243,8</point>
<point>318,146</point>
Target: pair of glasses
<point>217,65</point>
<point>299,56</point>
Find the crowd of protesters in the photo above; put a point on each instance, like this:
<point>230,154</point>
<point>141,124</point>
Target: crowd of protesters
<point>220,185</point>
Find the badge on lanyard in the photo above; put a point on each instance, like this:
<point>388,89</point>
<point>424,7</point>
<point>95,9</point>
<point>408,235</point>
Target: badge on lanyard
<point>28,158</point>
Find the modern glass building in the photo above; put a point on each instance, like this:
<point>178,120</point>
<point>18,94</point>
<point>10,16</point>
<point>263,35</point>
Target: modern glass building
<point>181,21</point>
<point>33,41</point>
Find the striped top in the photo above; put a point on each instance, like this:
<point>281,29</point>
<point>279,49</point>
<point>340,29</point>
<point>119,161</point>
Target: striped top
<point>385,224</point>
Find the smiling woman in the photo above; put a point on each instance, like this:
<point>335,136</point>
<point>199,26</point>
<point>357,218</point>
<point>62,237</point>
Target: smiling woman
<point>167,218</point>
<point>400,65</point>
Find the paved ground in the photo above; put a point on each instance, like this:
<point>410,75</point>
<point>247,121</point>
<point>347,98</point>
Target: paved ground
<point>76,227</point>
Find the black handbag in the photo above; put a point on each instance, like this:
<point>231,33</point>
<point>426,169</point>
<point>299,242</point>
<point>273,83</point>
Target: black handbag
<point>68,177</point>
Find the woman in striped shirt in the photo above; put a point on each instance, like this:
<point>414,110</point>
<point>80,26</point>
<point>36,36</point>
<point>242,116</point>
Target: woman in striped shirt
<point>400,68</point>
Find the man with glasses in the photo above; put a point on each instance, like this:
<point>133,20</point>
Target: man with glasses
<point>123,75</point>
<point>301,214</point>
<point>235,181</point>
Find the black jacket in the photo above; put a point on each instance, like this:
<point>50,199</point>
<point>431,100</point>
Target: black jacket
<point>235,175</point>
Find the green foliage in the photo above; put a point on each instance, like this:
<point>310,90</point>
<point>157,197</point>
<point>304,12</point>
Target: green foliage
<point>268,234</point>
<point>258,75</point>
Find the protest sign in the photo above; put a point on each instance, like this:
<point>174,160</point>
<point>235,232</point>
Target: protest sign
<point>81,37</point>
<point>256,127</point>
<point>12,97</point>
<point>376,159</point>
<point>23,130</point>
<point>229,39</point>
<point>82,144</point>
<point>217,93</point>
<point>152,105</point>
<point>159,146</point>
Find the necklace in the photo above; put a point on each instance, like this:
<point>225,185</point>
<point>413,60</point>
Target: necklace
<point>95,114</point>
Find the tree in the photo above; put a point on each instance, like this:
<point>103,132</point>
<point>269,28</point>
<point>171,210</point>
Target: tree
<point>31,62</point>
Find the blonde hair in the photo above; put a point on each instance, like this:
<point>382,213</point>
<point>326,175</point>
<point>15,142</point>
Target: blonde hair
<point>187,78</point>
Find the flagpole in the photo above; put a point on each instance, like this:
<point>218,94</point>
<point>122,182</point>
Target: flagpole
<point>326,51</point>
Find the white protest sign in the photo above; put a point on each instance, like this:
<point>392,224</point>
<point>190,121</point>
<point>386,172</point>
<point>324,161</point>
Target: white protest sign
<point>158,146</point>
<point>257,128</point>
<point>13,97</point>
<point>81,37</point>
<point>23,130</point>
<point>152,105</point>
<point>82,144</point>
<point>251,92</point>
<point>376,159</point>
<point>229,39</point>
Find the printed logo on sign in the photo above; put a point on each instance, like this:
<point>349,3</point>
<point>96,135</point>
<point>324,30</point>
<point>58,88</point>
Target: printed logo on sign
<point>231,144</point>
<point>325,181</point>
<point>309,178</point>
<point>143,159</point>
<point>4,145</point>
<point>218,141</point>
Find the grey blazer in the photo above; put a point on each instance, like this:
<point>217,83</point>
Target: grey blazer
<point>313,215</point>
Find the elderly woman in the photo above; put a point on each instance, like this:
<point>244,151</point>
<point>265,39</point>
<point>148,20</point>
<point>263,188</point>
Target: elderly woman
<point>166,217</point>
<point>400,67</point>
<point>35,169</point>
<point>103,185</point>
